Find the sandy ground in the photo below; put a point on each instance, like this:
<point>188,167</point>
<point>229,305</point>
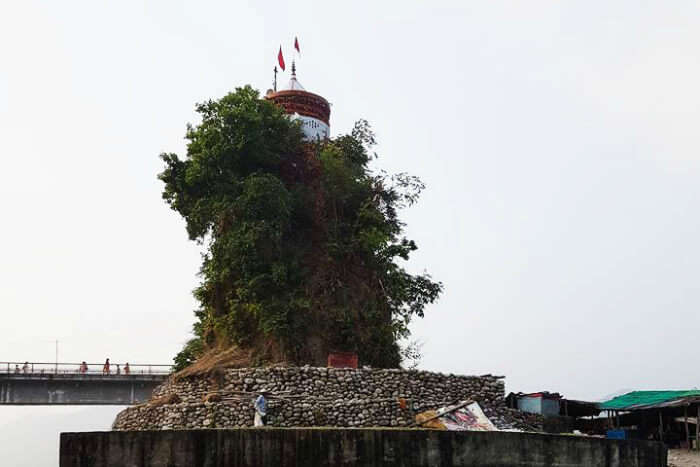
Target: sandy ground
<point>683,458</point>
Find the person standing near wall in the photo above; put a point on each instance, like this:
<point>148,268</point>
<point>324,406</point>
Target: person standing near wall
<point>260,405</point>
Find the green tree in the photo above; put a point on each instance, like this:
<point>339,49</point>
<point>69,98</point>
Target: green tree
<point>302,239</point>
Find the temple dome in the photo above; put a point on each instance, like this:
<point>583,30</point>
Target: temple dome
<point>313,110</point>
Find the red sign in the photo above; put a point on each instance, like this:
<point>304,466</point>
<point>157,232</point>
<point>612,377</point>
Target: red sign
<point>342,360</point>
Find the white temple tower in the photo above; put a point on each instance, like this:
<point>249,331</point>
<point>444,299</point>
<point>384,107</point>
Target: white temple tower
<point>312,109</point>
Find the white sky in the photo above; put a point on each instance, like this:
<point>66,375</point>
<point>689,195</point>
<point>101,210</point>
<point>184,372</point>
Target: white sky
<point>558,141</point>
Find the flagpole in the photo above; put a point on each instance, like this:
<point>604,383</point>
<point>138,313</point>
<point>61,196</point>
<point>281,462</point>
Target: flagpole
<point>297,52</point>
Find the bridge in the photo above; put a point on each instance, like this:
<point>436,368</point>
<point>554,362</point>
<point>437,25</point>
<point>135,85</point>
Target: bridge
<point>41,383</point>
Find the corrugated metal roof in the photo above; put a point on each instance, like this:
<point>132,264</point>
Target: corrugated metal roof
<point>638,400</point>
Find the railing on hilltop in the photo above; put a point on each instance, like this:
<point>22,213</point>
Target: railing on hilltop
<point>53,368</point>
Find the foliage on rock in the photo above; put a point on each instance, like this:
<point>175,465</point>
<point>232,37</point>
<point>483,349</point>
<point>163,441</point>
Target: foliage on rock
<point>302,240</point>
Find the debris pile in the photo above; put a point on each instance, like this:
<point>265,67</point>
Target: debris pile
<point>465,416</point>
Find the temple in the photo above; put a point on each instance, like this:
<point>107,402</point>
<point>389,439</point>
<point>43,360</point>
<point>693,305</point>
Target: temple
<point>312,109</point>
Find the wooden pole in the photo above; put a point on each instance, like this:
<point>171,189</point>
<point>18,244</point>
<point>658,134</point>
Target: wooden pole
<point>687,432</point>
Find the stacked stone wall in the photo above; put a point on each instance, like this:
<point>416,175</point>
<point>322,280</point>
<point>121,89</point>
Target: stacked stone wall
<point>309,396</point>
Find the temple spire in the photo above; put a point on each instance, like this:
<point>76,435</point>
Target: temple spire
<point>312,110</point>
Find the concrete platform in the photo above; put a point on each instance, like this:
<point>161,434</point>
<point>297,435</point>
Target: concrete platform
<point>248,447</point>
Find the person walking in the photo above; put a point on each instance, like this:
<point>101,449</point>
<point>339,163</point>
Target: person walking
<point>127,370</point>
<point>16,368</point>
<point>119,371</point>
<point>105,368</point>
<point>25,368</point>
<point>260,405</point>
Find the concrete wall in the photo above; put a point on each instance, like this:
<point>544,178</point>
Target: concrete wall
<point>349,447</point>
<point>76,389</point>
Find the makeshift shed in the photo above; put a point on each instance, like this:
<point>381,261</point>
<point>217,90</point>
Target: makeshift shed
<point>669,416</point>
<point>551,404</point>
<point>543,403</point>
<point>555,414</point>
<point>574,408</point>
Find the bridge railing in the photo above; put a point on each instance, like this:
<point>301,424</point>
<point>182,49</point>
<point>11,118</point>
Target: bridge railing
<point>63,368</point>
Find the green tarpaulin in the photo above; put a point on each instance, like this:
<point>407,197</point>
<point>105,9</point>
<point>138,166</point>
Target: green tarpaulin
<point>648,399</point>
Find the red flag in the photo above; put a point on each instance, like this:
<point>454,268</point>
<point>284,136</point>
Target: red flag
<point>296,44</point>
<point>280,59</point>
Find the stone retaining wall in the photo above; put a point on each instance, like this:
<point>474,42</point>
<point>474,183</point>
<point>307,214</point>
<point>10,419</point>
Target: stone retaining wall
<point>308,396</point>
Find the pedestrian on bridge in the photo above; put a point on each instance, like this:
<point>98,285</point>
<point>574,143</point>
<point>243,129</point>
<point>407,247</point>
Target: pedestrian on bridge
<point>83,367</point>
<point>16,368</point>
<point>105,368</point>
<point>127,370</point>
<point>119,371</point>
<point>25,368</point>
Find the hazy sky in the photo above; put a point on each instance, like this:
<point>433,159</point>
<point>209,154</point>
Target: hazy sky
<point>558,142</point>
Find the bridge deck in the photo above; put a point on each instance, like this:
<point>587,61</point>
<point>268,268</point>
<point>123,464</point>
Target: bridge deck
<point>64,385</point>
<point>83,377</point>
